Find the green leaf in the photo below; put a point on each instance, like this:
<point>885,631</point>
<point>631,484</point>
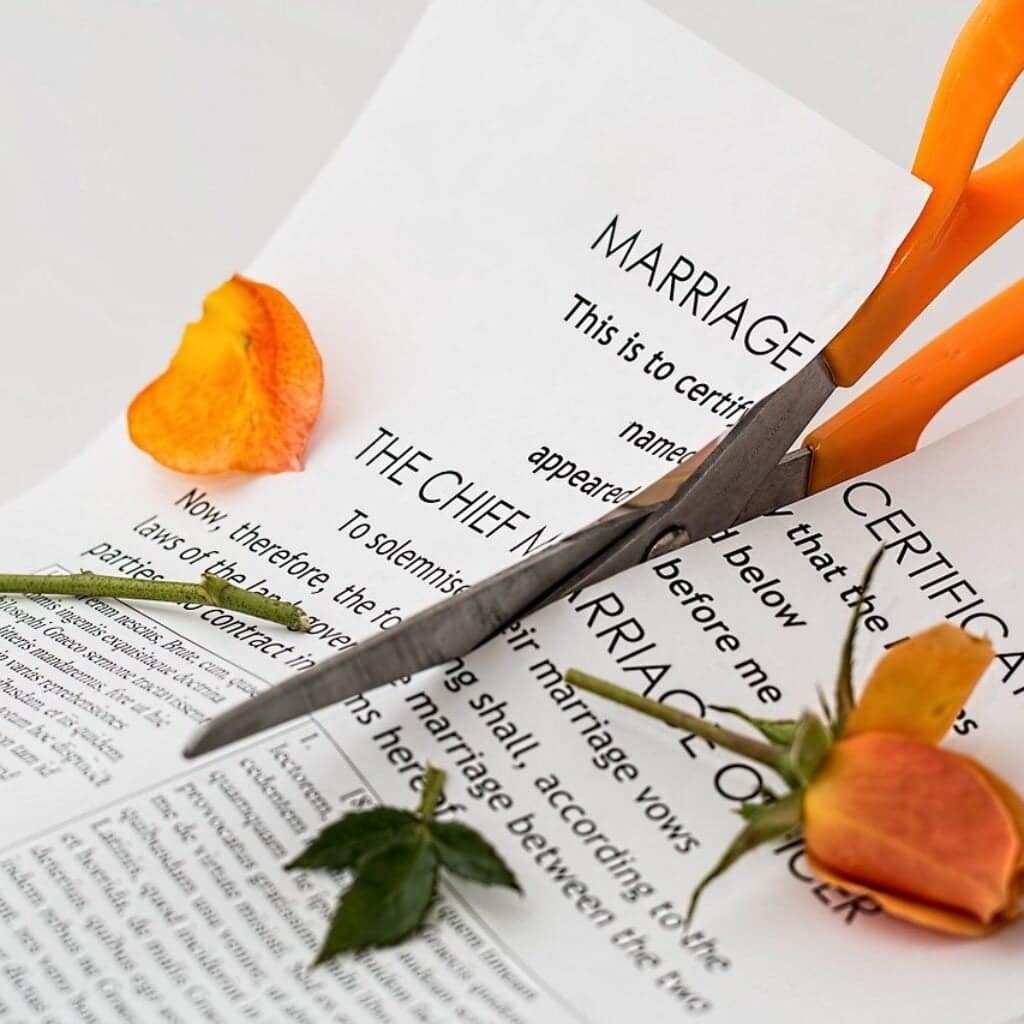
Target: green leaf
<point>346,842</point>
<point>387,901</point>
<point>463,851</point>
<point>844,681</point>
<point>395,856</point>
<point>775,730</point>
<point>809,748</point>
<point>763,824</point>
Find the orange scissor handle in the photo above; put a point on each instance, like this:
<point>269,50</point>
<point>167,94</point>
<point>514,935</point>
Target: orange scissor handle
<point>968,209</point>
<point>887,420</point>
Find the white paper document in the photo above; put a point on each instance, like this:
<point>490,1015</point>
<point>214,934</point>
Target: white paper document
<point>566,246</point>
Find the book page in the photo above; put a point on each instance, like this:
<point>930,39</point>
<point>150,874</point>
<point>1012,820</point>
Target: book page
<point>564,248</point>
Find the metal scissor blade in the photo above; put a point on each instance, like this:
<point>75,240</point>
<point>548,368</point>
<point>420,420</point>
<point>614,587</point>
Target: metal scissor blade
<point>786,483</point>
<point>711,499</point>
<point>717,493</point>
<point>446,630</point>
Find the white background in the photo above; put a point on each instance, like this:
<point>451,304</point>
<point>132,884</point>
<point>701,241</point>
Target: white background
<point>149,148</point>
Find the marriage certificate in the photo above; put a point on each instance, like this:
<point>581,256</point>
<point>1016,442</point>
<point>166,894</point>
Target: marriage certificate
<point>566,246</point>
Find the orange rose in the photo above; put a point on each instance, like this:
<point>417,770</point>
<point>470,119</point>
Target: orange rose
<point>933,836</point>
<point>241,393</point>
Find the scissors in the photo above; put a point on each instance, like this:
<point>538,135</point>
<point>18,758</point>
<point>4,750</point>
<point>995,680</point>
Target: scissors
<point>748,471</point>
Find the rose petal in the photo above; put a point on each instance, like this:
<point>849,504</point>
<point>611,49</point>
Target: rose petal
<point>915,821</point>
<point>927,915</point>
<point>1015,806</point>
<point>920,685</point>
<point>241,393</point>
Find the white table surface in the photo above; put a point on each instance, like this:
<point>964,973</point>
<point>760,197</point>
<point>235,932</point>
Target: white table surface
<point>148,148</point>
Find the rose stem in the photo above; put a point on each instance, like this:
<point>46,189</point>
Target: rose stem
<point>433,786</point>
<point>756,750</point>
<point>212,591</point>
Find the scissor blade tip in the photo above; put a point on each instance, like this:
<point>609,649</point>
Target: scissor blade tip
<point>273,707</point>
<point>206,738</point>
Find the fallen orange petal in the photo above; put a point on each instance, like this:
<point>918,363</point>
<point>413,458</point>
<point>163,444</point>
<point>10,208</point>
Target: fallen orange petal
<point>917,822</point>
<point>241,393</point>
<point>920,685</point>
